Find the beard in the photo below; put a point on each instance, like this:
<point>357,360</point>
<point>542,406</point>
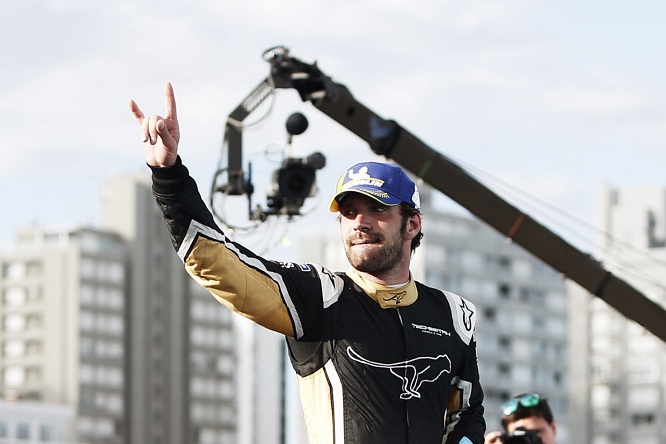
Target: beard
<point>381,255</point>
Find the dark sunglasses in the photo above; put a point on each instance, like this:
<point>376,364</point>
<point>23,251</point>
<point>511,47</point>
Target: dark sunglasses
<point>527,401</point>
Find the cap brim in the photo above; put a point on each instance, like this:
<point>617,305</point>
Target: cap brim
<point>334,205</point>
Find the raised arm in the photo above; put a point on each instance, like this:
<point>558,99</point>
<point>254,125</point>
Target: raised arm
<point>160,135</point>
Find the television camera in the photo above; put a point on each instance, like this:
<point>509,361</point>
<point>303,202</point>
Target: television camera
<point>291,183</point>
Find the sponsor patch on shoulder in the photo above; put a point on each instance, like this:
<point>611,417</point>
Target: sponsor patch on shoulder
<point>302,267</point>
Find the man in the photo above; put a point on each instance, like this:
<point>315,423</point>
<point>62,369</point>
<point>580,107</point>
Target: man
<point>379,357</point>
<point>528,411</point>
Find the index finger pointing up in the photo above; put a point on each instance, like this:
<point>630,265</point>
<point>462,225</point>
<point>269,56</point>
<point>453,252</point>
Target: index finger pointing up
<point>170,101</point>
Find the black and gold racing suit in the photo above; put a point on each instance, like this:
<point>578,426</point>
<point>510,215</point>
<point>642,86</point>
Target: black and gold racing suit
<point>374,364</point>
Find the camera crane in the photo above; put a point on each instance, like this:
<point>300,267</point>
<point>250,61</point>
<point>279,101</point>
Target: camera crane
<point>389,139</point>
<point>291,184</point>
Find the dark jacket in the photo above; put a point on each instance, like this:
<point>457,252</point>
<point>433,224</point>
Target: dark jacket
<point>374,364</point>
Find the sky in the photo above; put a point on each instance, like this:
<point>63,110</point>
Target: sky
<point>554,98</point>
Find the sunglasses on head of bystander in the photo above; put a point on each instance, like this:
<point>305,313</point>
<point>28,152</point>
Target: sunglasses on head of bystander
<point>528,400</point>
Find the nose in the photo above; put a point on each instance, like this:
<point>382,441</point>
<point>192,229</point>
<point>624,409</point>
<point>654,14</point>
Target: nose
<point>362,222</point>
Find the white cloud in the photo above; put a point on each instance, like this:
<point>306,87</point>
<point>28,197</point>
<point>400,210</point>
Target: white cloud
<point>592,101</point>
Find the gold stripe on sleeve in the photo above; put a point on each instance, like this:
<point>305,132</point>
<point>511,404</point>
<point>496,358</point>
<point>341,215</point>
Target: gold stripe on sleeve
<point>237,286</point>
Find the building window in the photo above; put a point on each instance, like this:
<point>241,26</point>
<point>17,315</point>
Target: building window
<point>14,376</point>
<point>453,257</point>
<point>14,322</point>
<point>14,297</point>
<point>88,268</point>
<point>87,399</point>
<point>34,268</point>
<point>522,268</point>
<point>33,320</point>
<point>110,377</point>
<point>15,270</point>
<point>85,426</point>
<point>538,297</point>
<point>34,293</point>
<point>504,344</point>
<point>524,294</point>
<point>23,431</point>
<point>33,375</point>
<point>110,323</point>
<point>13,348</point>
<point>46,433</point>
<point>504,264</point>
<point>538,324</point>
<point>642,419</point>
<point>33,347</point>
<point>504,291</point>
<point>86,321</point>
<point>112,272</point>
<point>557,378</point>
<point>539,376</point>
<point>87,295</point>
<point>539,349</point>
<point>86,347</point>
<point>109,349</point>
<point>471,261</point>
<point>86,374</point>
<point>111,298</point>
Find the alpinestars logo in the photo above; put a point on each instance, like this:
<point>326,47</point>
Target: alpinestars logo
<point>413,373</point>
<point>467,315</point>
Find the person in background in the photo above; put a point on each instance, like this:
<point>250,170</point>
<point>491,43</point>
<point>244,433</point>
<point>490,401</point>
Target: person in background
<point>379,357</point>
<point>526,412</point>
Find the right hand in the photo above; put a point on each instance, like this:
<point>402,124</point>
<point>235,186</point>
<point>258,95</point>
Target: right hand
<point>492,438</point>
<point>160,135</point>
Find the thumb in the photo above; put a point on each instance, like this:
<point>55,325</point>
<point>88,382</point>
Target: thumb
<point>167,139</point>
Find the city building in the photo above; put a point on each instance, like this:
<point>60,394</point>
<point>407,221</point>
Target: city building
<point>180,381</point>
<point>31,422</point>
<point>107,322</point>
<point>618,369</point>
<point>63,334</point>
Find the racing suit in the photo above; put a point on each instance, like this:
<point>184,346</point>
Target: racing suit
<point>374,364</point>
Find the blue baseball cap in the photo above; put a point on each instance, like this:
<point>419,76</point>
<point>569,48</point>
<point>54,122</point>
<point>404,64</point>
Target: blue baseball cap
<point>384,182</point>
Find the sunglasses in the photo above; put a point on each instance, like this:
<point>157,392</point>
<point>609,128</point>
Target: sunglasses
<point>527,401</point>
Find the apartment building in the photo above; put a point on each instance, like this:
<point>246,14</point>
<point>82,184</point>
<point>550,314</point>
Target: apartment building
<point>33,422</point>
<point>180,378</point>
<point>107,322</point>
<point>618,368</point>
<point>63,334</point>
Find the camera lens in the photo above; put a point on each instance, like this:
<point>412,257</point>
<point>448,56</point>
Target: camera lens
<point>295,181</point>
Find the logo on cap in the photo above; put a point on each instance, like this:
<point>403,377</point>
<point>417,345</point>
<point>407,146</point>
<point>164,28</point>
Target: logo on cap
<point>363,179</point>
